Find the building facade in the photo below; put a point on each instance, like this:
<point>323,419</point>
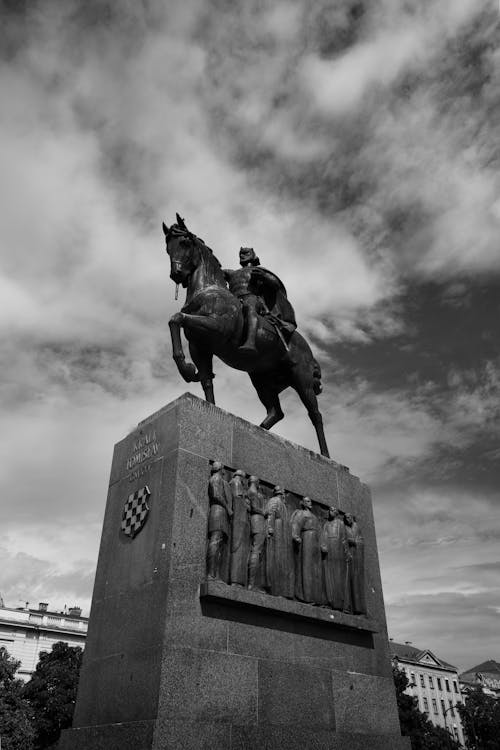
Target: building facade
<point>434,683</point>
<point>485,675</point>
<point>25,632</point>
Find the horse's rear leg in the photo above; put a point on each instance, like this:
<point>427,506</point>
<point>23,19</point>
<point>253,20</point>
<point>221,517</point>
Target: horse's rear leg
<point>270,398</point>
<point>308,398</point>
<point>203,362</point>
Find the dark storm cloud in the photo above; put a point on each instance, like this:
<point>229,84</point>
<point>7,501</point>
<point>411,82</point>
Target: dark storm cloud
<point>445,327</point>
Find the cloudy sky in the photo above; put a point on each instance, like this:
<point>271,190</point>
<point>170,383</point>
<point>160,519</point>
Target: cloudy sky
<point>355,145</point>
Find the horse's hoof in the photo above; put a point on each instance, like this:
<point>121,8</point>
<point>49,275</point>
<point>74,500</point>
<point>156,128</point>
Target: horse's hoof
<point>188,372</point>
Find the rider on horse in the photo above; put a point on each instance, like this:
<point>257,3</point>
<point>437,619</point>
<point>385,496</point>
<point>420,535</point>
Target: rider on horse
<point>261,292</point>
<point>213,318</point>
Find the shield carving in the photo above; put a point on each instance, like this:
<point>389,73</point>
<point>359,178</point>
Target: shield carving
<point>135,512</point>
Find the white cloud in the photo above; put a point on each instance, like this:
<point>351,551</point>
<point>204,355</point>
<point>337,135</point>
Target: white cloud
<point>400,40</point>
<point>337,86</point>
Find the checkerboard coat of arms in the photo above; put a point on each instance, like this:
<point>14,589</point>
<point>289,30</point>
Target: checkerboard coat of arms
<point>135,512</point>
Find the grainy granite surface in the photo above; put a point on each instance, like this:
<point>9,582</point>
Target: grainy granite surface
<point>165,668</point>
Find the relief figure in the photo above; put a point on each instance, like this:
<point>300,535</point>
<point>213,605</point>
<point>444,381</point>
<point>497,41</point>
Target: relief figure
<point>355,600</point>
<point>240,530</point>
<point>220,511</point>
<point>305,534</point>
<point>279,554</point>
<point>334,551</point>
<point>258,534</point>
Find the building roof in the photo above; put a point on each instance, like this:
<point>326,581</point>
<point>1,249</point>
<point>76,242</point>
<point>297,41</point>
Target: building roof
<point>407,652</point>
<point>33,619</point>
<point>52,612</point>
<point>491,666</point>
<point>486,675</point>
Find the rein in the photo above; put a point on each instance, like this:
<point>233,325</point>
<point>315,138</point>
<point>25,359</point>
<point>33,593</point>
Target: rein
<point>207,259</point>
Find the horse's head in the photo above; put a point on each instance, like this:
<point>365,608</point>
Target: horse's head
<point>183,250</point>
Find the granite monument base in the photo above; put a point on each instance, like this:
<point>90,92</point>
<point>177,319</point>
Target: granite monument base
<point>176,661</point>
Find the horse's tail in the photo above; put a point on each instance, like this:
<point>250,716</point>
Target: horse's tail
<point>317,387</point>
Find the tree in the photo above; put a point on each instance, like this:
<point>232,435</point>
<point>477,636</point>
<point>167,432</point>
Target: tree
<point>51,692</point>
<point>480,716</point>
<point>414,724</point>
<point>16,731</point>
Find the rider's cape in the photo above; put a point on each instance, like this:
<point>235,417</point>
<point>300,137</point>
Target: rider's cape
<point>272,290</point>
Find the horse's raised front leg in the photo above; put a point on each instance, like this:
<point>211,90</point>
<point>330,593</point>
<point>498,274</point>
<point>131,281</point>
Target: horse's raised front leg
<point>203,361</point>
<point>201,323</point>
<point>186,369</point>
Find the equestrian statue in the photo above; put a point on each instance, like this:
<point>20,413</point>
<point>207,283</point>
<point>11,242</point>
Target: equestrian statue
<point>244,318</point>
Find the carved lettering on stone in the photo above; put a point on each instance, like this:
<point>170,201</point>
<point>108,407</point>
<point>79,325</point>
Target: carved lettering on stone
<point>146,446</point>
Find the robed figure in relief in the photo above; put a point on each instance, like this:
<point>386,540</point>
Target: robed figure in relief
<point>305,534</point>
<point>279,555</point>
<point>355,578</point>
<point>220,511</point>
<point>240,536</point>
<point>334,550</point>
<point>258,534</point>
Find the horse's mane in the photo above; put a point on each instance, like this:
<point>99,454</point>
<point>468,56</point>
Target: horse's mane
<point>180,230</point>
<point>206,251</point>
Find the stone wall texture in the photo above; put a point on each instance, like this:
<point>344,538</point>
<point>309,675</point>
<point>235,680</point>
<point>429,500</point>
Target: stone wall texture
<point>165,668</point>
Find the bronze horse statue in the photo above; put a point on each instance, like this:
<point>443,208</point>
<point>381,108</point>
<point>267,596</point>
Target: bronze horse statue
<point>213,322</point>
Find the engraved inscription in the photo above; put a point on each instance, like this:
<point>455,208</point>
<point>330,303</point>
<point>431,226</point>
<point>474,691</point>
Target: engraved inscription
<point>140,472</point>
<point>146,446</point>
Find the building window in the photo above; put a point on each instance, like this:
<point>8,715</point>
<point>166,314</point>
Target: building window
<point>435,706</point>
<point>438,680</point>
<point>422,681</point>
<point>443,707</point>
<point>426,705</point>
<point>455,732</point>
<point>455,686</point>
<point>431,681</point>
<point>447,683</point>
<point>452,710</point>
<point>412,679</point>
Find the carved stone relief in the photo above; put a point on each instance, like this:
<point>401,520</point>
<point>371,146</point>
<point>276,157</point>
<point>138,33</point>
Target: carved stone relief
<point>271,541</point>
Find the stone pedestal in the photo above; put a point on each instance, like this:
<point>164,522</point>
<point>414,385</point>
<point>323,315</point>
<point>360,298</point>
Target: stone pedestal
<point>175,662</point>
